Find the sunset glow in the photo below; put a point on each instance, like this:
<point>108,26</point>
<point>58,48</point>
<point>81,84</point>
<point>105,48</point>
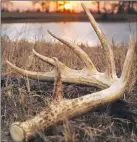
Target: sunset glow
<point>68,6</point>
<point>72,6</point>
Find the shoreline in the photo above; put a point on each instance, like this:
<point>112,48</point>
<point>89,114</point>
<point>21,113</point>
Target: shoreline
<point>14,17</point>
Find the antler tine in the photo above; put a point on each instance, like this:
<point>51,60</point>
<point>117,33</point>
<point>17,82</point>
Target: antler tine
<point>57,93</point>
<point>34,75</point>
<point>48,60</point>
<point>104,42</point>
<point>44,58</point>
<point>68,76</point>
<point>128,60</point>
<point>79,52</point>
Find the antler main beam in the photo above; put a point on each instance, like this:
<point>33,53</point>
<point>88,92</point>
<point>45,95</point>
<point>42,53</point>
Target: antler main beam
<point>57,111</point>
<point>61,108</point>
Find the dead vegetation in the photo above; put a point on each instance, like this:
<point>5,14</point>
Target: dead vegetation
<point>22,99</point>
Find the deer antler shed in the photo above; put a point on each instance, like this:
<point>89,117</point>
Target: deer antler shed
<point>113,87</point>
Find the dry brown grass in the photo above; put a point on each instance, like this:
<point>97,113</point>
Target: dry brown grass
<point>21,100</point>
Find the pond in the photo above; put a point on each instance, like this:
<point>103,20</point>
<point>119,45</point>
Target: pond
<point>78,31</point>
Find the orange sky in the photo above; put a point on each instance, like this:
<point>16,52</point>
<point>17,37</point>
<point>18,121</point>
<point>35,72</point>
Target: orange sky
<point>75,5</point>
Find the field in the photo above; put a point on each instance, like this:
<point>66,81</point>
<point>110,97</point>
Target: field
<point>22,99</point>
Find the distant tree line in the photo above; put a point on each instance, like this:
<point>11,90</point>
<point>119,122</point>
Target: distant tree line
<point>127,6</point>
<point>121,6</point>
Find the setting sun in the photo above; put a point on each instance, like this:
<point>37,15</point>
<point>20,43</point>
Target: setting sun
<point>68,6</point>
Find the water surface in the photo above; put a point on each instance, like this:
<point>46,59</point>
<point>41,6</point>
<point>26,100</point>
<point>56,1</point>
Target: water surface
<point>78,31</point>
